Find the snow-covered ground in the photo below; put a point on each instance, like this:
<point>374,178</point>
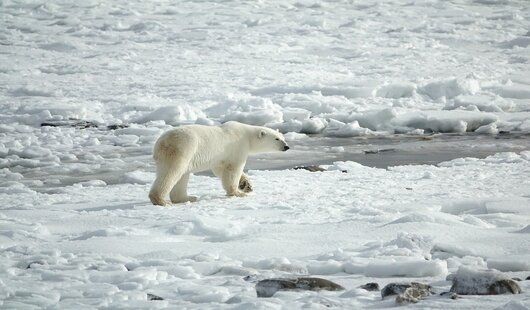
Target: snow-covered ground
<point>107,246</point>
<point>363,76</point>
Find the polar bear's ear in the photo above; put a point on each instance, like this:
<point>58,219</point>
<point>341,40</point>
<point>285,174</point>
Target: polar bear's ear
<point>262,134</point>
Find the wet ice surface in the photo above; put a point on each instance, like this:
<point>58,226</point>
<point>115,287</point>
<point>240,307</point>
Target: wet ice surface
<point>380,152</point>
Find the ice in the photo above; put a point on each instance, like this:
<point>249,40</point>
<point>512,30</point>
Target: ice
<point>206,121</point>
<point>279,264</point>
<point>11,176</point>
<point>61,69</point>
<point>514,263</point>
<point>480,103</point>
<point>248,109</point>
<point>518,42</point>
<point>213,230</point>
<point>323,268</point>
<point>448,121</point>
<point>138,177</point>
<point>506,157</point>
<point>339,129</point>
<point>139,131</point>
<point>525,126</point>
<point>525,230</point>
<point>405,245</point>
<point>344,81</point>
<point>204,294</point>
<point>112,231</point>
<point>490,129</point>
<point>345,166</point>
<point>292,125</point>
<point>470,281</point>
<point>518,91</point>
<point>33,91</point>
<point>449,88</point>
<point>396,90</point>
<point>33,152</point>
<point>512,305</point>
<point>422,217</point>
<point>184,272</point>
<point>376,120</point>
<point>172,114</point>
<point>58,46</point>
<point>514,206</point>
<point>407,269</point>
<point>295,114</point>
<point>313,125</point>
<point>294,136</point>
<point>126,140</point>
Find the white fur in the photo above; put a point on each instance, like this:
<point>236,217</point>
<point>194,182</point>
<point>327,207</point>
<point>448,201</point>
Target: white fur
<point>223,149</point>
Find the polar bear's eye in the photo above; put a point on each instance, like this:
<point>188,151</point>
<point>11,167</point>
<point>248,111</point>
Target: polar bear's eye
<point>277,139</point>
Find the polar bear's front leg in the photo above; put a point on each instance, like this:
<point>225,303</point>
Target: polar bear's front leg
<point>179,193</point>
<point>244,181</point>
<point>230,177</point>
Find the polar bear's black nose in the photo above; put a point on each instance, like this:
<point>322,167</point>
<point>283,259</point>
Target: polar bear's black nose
<point>285,148</point>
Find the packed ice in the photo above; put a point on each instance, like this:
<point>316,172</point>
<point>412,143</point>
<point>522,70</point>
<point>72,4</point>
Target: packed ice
<point>86,88</point>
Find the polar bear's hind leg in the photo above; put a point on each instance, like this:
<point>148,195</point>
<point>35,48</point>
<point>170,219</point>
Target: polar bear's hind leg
<point>171,165</point>
<point>167,175</point>
<point>179,193</point>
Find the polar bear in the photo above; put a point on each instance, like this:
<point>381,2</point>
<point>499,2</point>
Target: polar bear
<point>223,149</point>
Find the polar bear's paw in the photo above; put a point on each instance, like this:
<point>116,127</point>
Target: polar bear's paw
<point>237,193</point>
<point>186,199</point>
<point>244,184</point>
<point>157,200</point>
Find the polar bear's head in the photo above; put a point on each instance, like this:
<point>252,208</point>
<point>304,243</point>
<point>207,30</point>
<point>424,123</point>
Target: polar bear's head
<point>268,140</point>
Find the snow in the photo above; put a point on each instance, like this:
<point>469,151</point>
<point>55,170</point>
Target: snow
<point>488,129</point>
<point>138,177</point>
<point>517,263</point>
<point>449,88</point>
<point>133,62</point>
<point>339,129</point>
<point>471,281</point>
<point>513,305</point>
<point>172,115</point>
<point>73,202</point>
<point>107,246</point>
<point>517,91</point>
<point>396,90</point>
<point>419,268</point>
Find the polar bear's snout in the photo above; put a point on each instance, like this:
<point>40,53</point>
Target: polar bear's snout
<point>283,145</point>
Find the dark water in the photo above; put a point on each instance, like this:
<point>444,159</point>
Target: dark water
<point>396,150</point>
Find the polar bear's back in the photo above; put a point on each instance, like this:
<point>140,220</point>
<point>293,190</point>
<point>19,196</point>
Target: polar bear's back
<point>183,139</point>
<point>202,146</point>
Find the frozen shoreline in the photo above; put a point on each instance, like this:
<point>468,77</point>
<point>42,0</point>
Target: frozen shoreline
<point>380,152</point>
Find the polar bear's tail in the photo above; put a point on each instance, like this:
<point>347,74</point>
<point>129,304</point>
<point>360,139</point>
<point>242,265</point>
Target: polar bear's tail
<point>157,150</point>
